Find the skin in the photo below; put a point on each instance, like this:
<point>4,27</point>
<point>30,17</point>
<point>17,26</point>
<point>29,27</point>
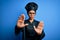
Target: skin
<point>31,14</point>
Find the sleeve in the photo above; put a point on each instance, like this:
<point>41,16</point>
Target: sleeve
<point>18,30</point>
<point>42,35</point>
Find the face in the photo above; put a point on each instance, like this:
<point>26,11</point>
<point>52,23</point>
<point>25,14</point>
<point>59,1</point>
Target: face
<point>31,14</point>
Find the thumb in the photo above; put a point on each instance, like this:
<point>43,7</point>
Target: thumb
<point>34,27</point>
<point>26,24</point>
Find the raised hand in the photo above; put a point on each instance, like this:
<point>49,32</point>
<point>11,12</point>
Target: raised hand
<point>20,22</point>
<point>39,28</point>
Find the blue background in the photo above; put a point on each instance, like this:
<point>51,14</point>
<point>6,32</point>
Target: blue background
<point>48,12</point>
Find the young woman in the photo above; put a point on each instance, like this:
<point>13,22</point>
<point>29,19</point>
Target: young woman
<point>31,28</point>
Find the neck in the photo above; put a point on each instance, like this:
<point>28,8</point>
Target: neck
<point>31,20</point>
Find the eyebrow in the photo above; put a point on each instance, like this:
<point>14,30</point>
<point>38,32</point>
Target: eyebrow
<point>31,13</point>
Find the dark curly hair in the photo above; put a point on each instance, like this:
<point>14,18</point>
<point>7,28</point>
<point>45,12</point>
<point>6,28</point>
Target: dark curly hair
<point>31,6</point>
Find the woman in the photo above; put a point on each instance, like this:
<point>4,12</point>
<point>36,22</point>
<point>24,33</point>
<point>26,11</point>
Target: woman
<point>32,29</point>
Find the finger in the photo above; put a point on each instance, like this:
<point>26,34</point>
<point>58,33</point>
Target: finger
<point>20,21</point>
<point>40,28</point>
<point>22,17</point>
<point>19,17</point>
<point>41,24</point>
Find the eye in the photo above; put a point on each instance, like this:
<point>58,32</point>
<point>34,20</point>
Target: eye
<point>31,13</point>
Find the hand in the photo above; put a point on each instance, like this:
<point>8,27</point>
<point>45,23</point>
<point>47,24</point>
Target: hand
<point>20,22</point>
<point>39,28</point>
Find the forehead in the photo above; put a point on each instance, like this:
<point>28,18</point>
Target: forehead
<point>32,11</point>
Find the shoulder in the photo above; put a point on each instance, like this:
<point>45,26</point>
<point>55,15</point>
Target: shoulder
<point>26,21</point>
<point>36,21</point>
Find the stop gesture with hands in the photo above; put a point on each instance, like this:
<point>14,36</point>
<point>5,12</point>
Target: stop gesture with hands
<point>39,27</point>
<point>20,22</point>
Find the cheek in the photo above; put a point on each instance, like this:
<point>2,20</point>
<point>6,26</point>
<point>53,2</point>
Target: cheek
<point>31,15</point>
<point>34,14</point>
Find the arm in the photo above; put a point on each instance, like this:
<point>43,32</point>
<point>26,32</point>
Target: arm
<point>18,30</point>
<point>39,30</point>
<point>42,35</point>
<point>20,24</point>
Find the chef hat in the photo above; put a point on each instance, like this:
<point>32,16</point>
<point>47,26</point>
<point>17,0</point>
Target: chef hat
<point>31,6</point>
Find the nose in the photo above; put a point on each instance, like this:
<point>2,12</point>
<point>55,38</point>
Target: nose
<point>31,14</point>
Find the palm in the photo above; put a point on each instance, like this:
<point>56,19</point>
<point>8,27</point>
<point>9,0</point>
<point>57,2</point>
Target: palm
<point>20,22</point>
<point>39,28</point>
